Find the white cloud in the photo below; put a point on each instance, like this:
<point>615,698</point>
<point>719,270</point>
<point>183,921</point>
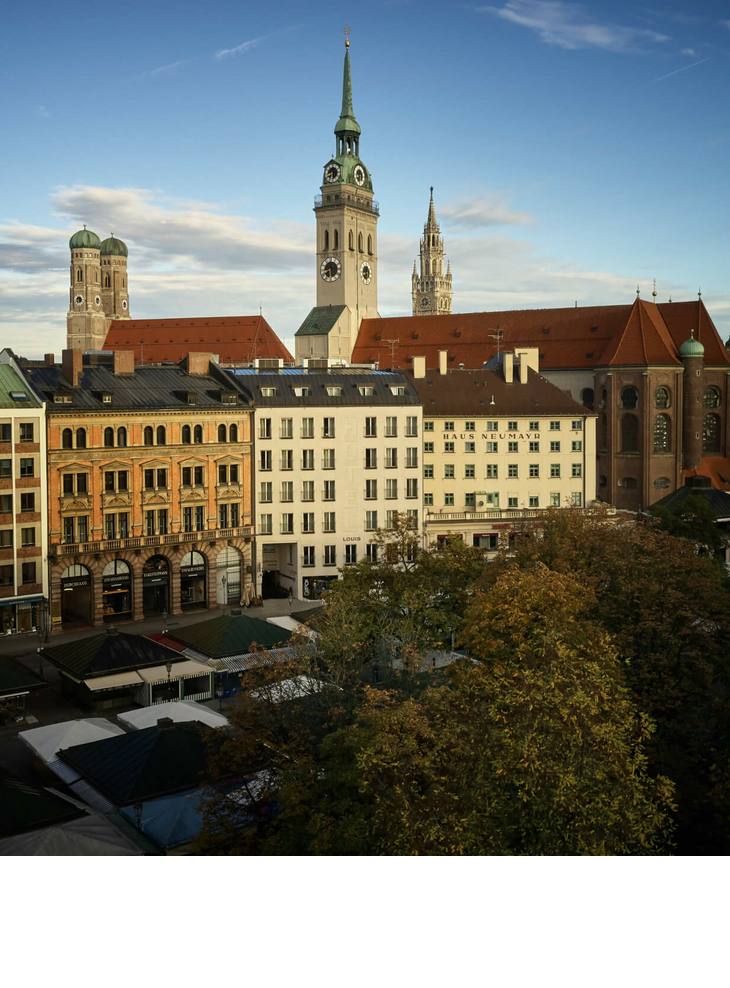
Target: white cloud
<point>491,209</point>
<point>43,111</point>
<point>689,51</point>
<point>569,25</point>
<point>242,48</point>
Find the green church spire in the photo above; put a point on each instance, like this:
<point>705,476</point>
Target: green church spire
<point>347,123</point>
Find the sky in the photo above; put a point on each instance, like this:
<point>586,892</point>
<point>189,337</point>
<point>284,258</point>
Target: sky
<point>576,150</point>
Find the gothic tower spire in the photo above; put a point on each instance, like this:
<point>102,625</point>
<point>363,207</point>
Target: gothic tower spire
<point>431,292</point>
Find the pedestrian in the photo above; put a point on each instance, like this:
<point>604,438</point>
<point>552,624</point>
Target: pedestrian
<point>291,594</point>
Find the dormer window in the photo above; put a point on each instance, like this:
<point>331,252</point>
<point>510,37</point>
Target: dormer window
<point>333,391</point>
<point>366,390</point>
<point>62,399</point>
<point>19,396</point>
<point>192,399</point>
<point>106,398</point>
<point>229,399</point>
<point>397,389</point>
<point>301,392</point>
<point>268,392</point>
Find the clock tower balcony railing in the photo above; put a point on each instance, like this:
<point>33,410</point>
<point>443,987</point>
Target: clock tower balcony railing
<point>358,202</point>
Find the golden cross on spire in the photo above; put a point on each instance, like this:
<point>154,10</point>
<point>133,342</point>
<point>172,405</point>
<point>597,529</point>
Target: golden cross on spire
<point>347,33</point>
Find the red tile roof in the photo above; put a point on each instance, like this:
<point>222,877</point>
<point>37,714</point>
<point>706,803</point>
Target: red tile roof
<point>236,339</point>
<point>586,337</point>
<point>717,468</point>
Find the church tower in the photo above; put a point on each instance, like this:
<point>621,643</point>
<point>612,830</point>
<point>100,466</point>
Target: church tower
<point>114,288</point>
<point>86,320</point>
<point>432,290</point>
<point>347,244</point>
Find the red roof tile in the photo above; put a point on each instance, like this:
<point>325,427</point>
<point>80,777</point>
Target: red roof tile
<point>680,317</point>
<point>644,340</point>
<point>236,339</point>
<point>717,468</point>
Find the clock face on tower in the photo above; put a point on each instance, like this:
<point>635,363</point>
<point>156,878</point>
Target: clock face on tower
<point>425,303</point>
<point>366,272</point>
<point>359,175</point>
<point>330,269</point>
<point>332,172</point>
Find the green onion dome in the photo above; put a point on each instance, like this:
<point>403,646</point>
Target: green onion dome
<point>691,347</point>
<point>84,238</point>
<point>112,245</point>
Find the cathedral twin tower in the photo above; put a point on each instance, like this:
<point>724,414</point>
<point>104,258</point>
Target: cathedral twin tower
<point>99,291</point>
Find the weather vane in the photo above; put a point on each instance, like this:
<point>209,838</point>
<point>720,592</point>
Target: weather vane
<point>346,33</point>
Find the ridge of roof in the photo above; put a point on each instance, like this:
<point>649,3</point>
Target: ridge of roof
<point>320,320</point>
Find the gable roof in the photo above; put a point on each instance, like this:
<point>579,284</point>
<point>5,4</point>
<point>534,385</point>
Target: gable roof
<point>320,320</point>
<point>103,654</point>
<point>24,807</point>
<point>236,339</point>
<point>16,678</point>
<point>718,500</point>
<point>12,383</point>
<point>230,635</point>
<point>580,337</point>
<point>152,762</point>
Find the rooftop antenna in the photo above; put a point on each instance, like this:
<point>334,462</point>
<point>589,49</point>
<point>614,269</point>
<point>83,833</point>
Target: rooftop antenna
<point>654,293</point>
<point>496,334</point>
<point>670,298</point>
<point>261,308</point>
<point>638,291</point>
<point>699,293</point>
<point>393,345</point>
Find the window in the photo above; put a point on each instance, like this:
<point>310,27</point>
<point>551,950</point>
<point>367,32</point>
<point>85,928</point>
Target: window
<point>628,483</point>
<point>629,398</point>
<point>576,499</point>
<point>371,459</point>
<point>235,516</point>
<point>27,467</point>
<point>233,434</point>
<point>470,500</point>
<point>577,425</point>
<point>662,483</point>
<point>469,471</point>
<point>513,502</point>
<point>187,519</point>
<point>307,459</point>
<point>428,500</point>
<point>328,521</point>
<point>66,439</point>
<point>412,487</point>
<point>492,447</point>
<point>391,458</point>
<point>662,434</point>
<point>555,425</point>
<point>428,447</point>
<point>198,477</point>
<point>222,473</point>
<point>333,391</point>
<point>371,550</point>
<point>512,470</point>
<point>265,459</point>
<point>186,434</point>
<point>391,489</point>
<point>287,490</point>
<point>286,429</point>
<point>371,427</point>
<point>412,517</point>
<point>287,524</point>
<point>469,426</point>
<point>448,426</point>
<point>371,490</point>
<point>27,502</point>
<point>555,447</point>
<point>449,470</point>
<point>265,527</point>
<point>308,490</point>
<point>328,493</point>
<point>27,536</point>
<point>428,471</point>
<point>534,426</point>
<point>629,434</point>
<point>26,432</point>
<point>6,503</point>
<point>470,447</point>
<point>534,446</point>
<point>6,468</point>
<point>149,480</point>
<point>555,499</point>
<point>6,433</point>
<point>6,538</point>
<point>28,573</point>
<point>308,522</point>
<point>198,434</point>
<point>554,469</point>
<point>161,435</point>
<point>308,555</point>
<point>512,425</point>
<point>371,521</point>
<point>221,433</point>
<point>148,435</point>
<point>350,555</point>
<point>428,426</point>
<point>328,428</point>
<point>390,519</point>
<point>492,471</point>
<point>67,483</point>
<point>366,390</point>
<point>264,428</point>
<point>286,461</point>
<point>492,425</point>
<point>109,481</point>
<point>534,470</point>
<point>411,426</point>
<point>6,576</point>
<point>223,516</point>
<point>711,398</point>
<point>265,492</point>
<point>307,428</point>
<point>391,426</point>
<point>121,437</point>
<point>576,470</point>
<point>449,500</point>
<point>328,459</point>
<point>711,434</point>
<point>268,392</point>
<point>661,398</point>
<point>577,446</point>
<point>109,436</point>
<point>534,501</point>
<point>513,447</point>
<point>449,447</point>
<point>586,397</point>
<point>411,456</point>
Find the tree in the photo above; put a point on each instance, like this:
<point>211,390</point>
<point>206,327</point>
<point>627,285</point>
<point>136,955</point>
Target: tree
<point>692,519</point>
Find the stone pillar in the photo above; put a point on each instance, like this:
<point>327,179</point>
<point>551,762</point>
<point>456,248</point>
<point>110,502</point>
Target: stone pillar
<point>692,412</point>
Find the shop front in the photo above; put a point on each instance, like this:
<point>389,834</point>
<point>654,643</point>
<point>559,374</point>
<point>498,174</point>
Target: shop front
<point>314,586</point>
<point>76,595</point>
<point>116,589</point>
<point>193,582</point>
<point>156,585</point>
<point>228,576</point>
<point>18,617</point>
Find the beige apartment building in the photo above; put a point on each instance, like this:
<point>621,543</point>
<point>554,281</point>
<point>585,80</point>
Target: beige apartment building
<point>337,456</point>
<point>499,445</point>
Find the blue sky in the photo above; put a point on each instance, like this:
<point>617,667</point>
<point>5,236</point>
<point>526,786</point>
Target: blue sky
<point>575,150</point>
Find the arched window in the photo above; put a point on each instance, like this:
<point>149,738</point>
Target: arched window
<point>604,396</point>
<point>198,434</point>
<point>629,434</point>
<point>79,275</point>
<point>661,398</point>
<point>711,434</point>
<point>712,398</point>
<point>661,483</point>
<point>121,437</point>
<point>629,398</point>
<point>350,241</point>
<point>161,435</point>
<point>117,567</point>
<point>81,439</point>
<point>221,433</point>
<point>233,434</point>
<point>108,437</point>
<point>359,242</point>
<point>186,434</point>
<point>370,244</point>
<point>586,397</point>
<point>326,240</point>
<point>67,439</point>
<point>604,432</point>
<point>662,434</point>
<point>628,483</point>
<point>124,282</point>
<point>107,281</point>
<point>148,435</point>
<point>336,239</point>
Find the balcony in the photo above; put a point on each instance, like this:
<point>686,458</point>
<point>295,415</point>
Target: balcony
<point>358,202</point>
<point>142,541</point>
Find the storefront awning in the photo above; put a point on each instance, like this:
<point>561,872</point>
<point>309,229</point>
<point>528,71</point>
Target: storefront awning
<point>158,674</point>
<point>113,682</point>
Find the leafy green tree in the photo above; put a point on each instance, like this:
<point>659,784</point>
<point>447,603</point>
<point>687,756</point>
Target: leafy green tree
<point>693,519</point>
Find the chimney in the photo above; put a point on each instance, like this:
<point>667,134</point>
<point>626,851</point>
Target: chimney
<point>165,723</point>
<point>523,369</point>
<point>71,363</point>
<point>443,361</point>
<point>49,359</point>
<point>419,367</point>
<point>124,361</point>
<point>199,363</point>
<point>508,361</point>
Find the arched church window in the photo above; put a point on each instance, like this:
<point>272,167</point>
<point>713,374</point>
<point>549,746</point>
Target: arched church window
<point>326,240</point>
<point>359,242</point>
<point>711,398</point>
<point>711,434</point>
<point>629,398</point>
<point>586,397</point>
<point>124,282</point>
<point>79,275</point>
<point>661,398</point>
<point>629,434</point>
<point>336,239</point>
<point>662,434</point>
<point>107,281</point>
<point>350,240</point>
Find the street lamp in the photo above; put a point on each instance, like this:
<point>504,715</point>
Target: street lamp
<point>168,666</point>
<point>224,583</point>
<point>138,815</point>
<point>164,622</point>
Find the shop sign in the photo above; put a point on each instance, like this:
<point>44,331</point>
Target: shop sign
<point>149,578</point>
<point>71,584</point>
<point>192,570</point>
